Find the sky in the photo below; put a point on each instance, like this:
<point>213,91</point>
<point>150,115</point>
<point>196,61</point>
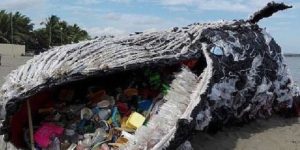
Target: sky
<point>120,17</point>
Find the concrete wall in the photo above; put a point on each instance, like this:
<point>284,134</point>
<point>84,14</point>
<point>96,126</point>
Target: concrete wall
<point>12,50</point>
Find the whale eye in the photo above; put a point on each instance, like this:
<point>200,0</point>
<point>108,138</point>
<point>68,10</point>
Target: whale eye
<point>217,51</point>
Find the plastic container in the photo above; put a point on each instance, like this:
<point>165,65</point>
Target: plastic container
<point>135,120</point>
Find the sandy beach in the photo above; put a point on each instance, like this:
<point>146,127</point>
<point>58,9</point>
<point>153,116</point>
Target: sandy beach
<point>277,133</point>
<point>10,63</point>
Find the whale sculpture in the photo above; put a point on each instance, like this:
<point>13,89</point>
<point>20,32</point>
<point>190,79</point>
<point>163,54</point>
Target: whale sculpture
<point>242,76</point>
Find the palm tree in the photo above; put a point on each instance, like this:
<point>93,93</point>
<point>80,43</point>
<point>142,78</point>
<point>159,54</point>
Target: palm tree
<point>22,28</point>
<point>76,34</point>
<point>18,29</point>
<point>4,27</point>
<point>15,28</point>
<point>53,26</point>
<point>59,32</point>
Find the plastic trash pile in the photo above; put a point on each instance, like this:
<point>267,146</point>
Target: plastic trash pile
<point>106,119</point>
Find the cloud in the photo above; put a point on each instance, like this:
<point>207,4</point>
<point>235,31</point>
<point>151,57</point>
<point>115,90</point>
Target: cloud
<point>121,1</point>
<point>130,23</point>
<point>151,30</point>
<point>132,19</point>
<point>178,2</point>
<point>143,19</point>
<point>286,15</point>
<point>88,2</point>
<point>177,8</point>
<point>296,5</point>
<point>222,5</point>
<point>97,31</point>
<point>112,16</point>
<point>123,24</point>
<point>17,5</point>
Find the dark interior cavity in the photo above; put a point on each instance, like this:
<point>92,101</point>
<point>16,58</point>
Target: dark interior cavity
<point>150,82</point>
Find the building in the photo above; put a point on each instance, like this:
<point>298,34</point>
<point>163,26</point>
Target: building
<point>12,50</point>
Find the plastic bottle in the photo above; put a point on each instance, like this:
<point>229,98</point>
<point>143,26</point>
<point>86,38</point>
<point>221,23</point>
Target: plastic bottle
<point>55,145</point>
<point>116,117</point>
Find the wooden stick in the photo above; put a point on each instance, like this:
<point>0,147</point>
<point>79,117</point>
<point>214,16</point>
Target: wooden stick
<point>30,125</point>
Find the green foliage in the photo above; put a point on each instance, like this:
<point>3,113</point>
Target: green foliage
<point>55,32</point>
<point>21,25</point>
<point>154,79</point>
<point>58,32</point>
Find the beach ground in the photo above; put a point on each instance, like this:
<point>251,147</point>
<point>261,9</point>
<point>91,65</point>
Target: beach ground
<point>277,133</point>
<point>9,63</point>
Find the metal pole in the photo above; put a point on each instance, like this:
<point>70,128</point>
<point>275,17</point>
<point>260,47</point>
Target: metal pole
<point>11,28</point>
<point>50,32</point>
<point>12,33</point>
<point>61,36</point>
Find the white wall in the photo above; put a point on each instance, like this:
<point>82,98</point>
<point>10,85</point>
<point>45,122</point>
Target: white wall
<point>12,50</point>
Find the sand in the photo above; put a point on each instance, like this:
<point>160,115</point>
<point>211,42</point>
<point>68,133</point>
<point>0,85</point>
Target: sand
<point>277,133</point>
<point>9,63</point>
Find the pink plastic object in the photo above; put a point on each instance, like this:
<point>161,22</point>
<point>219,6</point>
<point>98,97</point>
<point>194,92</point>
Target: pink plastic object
<point>44,134</point>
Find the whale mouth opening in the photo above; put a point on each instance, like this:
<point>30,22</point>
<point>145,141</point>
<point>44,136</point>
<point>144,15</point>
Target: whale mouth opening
<point>158,95</point>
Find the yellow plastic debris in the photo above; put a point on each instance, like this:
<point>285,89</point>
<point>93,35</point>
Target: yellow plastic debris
<point>123,122</point>
<point>135,120</point>
<point>122,140</point>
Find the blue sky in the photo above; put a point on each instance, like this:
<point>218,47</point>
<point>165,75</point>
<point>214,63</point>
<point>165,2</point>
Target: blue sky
<point>100,17</point>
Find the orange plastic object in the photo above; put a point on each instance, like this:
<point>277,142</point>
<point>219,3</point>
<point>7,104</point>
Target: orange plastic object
<point>97,96</point>
<point>131,92</point>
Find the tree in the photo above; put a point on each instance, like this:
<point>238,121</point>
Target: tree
<point>77,34</point>
<point>4,27</point>
<point>58,32</point>
<point>18,29</point>
<point>15,28</point>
